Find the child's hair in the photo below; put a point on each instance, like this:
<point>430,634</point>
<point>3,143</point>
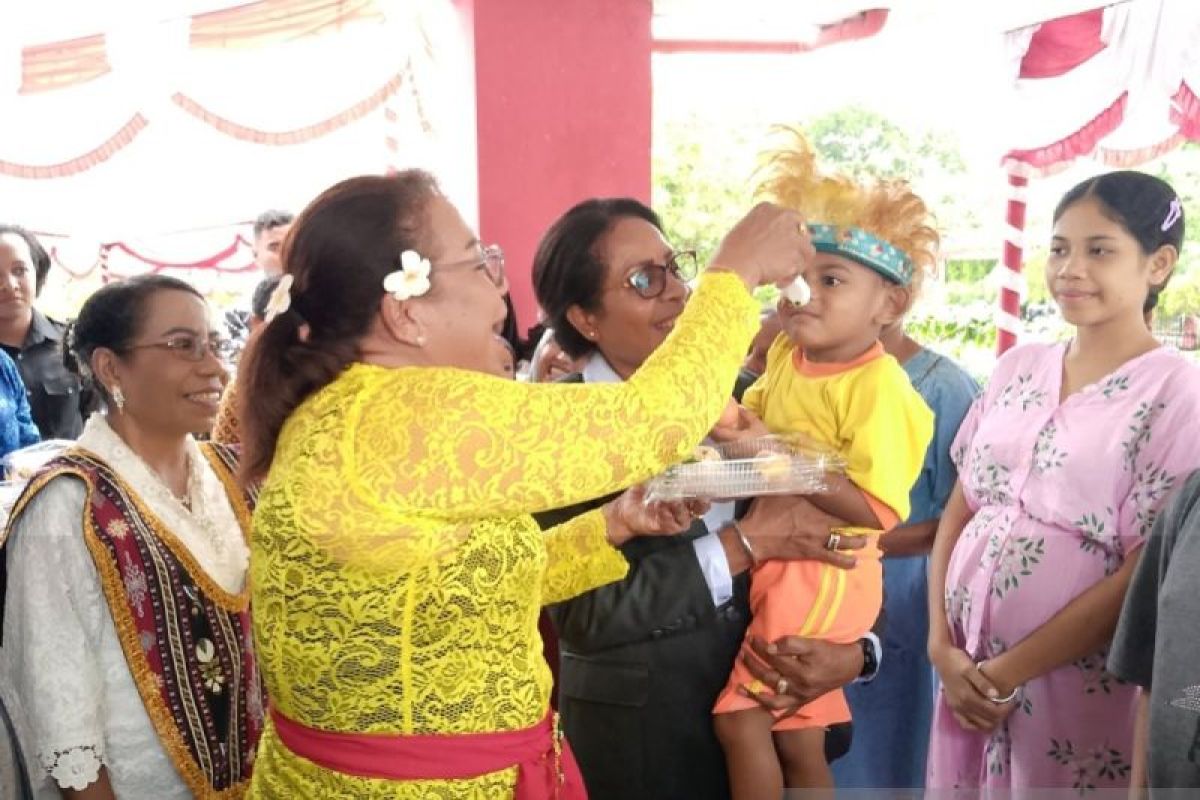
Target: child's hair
<point>1145,206</point>
<point>888,209</point>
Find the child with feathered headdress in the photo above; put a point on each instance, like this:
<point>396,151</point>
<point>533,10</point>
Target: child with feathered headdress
<point>828,377</point>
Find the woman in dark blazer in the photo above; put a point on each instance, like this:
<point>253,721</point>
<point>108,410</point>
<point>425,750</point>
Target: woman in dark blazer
<point>643,660</point>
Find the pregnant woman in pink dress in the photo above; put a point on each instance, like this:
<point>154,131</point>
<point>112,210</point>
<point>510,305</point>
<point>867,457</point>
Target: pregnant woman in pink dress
<point>1063,463</point>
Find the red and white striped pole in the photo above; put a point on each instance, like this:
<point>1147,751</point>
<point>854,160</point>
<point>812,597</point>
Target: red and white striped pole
<point>1011,279</point>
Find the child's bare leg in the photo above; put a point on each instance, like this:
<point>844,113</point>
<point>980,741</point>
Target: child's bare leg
<point>802,758</point>
<point>754,770</point>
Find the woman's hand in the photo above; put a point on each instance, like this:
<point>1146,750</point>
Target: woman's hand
<point>769,245</point>
<point>630,515</point>
<point>804,668</point>
<point>790,528</point>
<point>968,691</point>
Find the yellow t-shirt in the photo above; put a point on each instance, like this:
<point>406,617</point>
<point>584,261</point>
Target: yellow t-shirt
<point>867,410</point>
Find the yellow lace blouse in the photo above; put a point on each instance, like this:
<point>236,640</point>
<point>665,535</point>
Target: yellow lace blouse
<point>396,573</point>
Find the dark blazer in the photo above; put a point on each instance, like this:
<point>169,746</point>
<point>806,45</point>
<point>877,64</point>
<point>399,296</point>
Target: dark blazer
<point>641,663</point>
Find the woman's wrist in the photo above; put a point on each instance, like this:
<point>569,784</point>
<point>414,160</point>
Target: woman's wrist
<point>1002,673</point>
<point>749,275</point>
<point>937,645</point>
<point>744,542</point>
<point>751,537</point>
<point>616,531</point>
<point>735,554</point>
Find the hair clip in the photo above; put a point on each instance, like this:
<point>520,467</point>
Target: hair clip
<point>281,298</point>
<point>1173,214</point>
<point>411,280</point>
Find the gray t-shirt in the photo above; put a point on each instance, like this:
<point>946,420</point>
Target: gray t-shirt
<point>1156,643</point>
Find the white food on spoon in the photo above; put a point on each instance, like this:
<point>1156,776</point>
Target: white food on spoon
<point>797,292</point>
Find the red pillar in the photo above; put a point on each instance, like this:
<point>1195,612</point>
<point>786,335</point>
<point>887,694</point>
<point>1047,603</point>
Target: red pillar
<point>562,92</point>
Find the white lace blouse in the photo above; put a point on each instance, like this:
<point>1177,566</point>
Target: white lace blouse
<point>74,694</point>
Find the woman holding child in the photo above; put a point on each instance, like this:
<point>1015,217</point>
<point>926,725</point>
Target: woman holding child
<point>644,658</point>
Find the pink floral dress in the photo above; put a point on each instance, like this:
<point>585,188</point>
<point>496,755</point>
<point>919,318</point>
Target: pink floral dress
<point>1063,493</point>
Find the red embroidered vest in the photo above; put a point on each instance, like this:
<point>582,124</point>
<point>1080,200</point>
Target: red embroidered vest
<point>187,641</point>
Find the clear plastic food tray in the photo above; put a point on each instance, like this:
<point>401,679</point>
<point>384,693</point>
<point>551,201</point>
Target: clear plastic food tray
<point>788,464</point>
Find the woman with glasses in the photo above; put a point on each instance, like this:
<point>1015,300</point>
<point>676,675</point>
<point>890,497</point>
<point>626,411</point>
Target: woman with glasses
<point>397,572</point>
<point>126,629</point>
<point>643,659</point>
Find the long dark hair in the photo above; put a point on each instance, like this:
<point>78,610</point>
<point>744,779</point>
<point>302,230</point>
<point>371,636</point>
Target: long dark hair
<point>566,270</point>
<point>338,252</point>
<point>1141,204</point>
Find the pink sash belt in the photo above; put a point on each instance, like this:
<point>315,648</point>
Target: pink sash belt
<point>546,769</point>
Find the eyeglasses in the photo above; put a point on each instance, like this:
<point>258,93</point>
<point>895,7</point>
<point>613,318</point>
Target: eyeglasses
<point>192,348</point>
<point>650,280</point>
<point>492,261</point>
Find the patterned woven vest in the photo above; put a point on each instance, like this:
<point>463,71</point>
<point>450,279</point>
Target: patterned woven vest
<point>186,640</point>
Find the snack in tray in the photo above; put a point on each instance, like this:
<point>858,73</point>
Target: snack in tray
<point>786,464</point>
<point>772,465</point>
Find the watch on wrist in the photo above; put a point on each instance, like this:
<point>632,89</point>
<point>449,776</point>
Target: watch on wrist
<point>870,659</point>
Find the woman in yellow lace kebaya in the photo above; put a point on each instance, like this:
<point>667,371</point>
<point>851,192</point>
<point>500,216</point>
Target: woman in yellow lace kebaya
<point>396,572</point>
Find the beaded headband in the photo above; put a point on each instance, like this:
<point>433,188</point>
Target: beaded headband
<point>865,248</point>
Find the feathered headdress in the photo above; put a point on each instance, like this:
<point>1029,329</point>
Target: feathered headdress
<point>882,223</point>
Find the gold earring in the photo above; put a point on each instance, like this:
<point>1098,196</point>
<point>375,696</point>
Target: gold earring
<point>118,398</point>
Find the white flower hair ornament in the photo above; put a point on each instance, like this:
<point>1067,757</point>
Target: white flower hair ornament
<point>280,299</point>
<point>411,280</point>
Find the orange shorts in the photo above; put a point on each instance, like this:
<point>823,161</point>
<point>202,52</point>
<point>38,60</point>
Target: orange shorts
<point>815,600</point>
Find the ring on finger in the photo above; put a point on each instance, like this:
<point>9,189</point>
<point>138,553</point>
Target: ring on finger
<point>834,542</point>
<point>781,686</point>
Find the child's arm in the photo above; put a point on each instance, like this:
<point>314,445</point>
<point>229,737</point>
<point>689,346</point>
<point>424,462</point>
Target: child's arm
<point>846,501</point>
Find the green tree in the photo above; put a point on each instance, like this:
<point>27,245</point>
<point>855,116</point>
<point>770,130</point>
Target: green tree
<point>969,269</point>
<point>704,168</point>
<point>701,187</point>
<point>864,144</point>
<point>1181,297</point>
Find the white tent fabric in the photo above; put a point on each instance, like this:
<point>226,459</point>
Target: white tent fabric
<point>1152,47</point>
<point>183,172</point>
